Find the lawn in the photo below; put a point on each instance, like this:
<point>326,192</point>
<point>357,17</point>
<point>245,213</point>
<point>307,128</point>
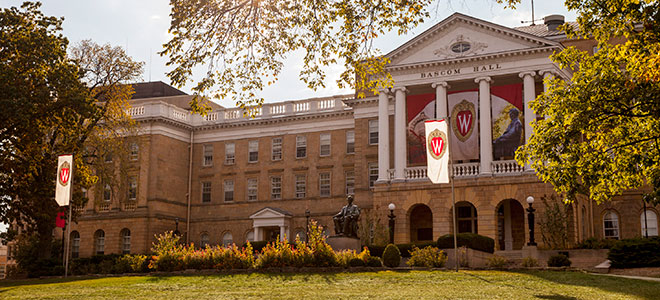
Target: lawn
<point>379,285</point>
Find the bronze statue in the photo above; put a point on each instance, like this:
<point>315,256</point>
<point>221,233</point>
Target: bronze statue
<point>346,221</point>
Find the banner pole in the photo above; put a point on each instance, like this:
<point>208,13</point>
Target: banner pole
<point>68,226</point>
<point>453,200</point>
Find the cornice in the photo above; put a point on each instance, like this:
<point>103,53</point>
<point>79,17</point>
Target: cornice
<point>270,121</point>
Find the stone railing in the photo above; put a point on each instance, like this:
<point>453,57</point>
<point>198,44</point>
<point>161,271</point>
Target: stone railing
<point>416,173</point>
<point>507,167</point>
<point>135,111</point>
<point>130,205</point>
<point>465,170</point>
<point>104,207</point>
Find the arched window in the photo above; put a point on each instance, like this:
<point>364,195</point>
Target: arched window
<point>75,244</point>
<point>649,223</point>
<point>301,234</point>
<point>249,236</point>
<point>204,240</point>
<point>466,217</point>
<point>99,242</point>
<point>125,241</point>
<point>227,239</point>
<point>611,225</point>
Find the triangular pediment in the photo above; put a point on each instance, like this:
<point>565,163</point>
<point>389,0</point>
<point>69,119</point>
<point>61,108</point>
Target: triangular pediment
<point>460,36</point>
<point>270,213</point>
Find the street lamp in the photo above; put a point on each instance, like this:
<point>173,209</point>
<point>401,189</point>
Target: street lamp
<point>530,220</point>
<point>307,214</point>
<point>391,216</point>
<point>176,230</point>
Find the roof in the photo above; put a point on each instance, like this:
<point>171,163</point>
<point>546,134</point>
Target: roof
<point>154,89</point>
<point>541,30</point>
<point>279,210</point>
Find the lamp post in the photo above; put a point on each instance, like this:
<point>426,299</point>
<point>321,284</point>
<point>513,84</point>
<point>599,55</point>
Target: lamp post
<point>530,220</point>
<point>176,230</point>
<point>307,214</point>
<point>391,223</point>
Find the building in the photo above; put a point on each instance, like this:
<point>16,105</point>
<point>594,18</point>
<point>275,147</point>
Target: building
<point>225,178</point>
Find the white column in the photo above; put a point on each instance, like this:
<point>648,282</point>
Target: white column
<point>485,131</point>
<point>546,75</point>
<point>529,94</point>
<point>400,134</point>
<point>258,234</point>
<point>282,233</point>
<point>440,99</point>
<point>383,136</point>
<point>508,237</point>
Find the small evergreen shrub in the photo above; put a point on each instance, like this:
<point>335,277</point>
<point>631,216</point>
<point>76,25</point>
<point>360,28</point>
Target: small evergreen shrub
<point>634,253</point>
<point>470,240</point>
<point>530,262</point>
<point>374,261</point>
<point>594,243</point>
<point>356,262</point>
<point>559,260</point>
<point>430,257</point>
<point>391,256</point>
<point>497,262</point>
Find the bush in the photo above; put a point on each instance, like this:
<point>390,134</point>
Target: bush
<point>470,240</point>
<point>374,261</point>
<point>391,256</point>
<point>530,262</point>
<point>356,262</point>
<point>559,260</point>
<point>634,253</point>
<point>376,250</point>
<point>497,262</point>
<point>594,243</point>
<point>430,257</point>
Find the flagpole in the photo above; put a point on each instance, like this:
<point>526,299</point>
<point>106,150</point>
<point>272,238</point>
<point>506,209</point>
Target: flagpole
<point>68,226</point>
<point>453,200</point>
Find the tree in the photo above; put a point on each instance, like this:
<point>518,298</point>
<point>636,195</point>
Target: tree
<point>601,135</point>
<point>53,104</point>
<point>243,43</point>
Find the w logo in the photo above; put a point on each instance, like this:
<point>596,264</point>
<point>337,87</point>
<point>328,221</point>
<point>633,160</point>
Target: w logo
<point>462,117</point>
<point>64,174</point>
<point>437,144</point>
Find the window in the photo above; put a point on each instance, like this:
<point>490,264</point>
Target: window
<point>466,217</point>
<point>324,184</point>
<point>125,241</point>
<point>350,142</point>
<point>350,183</point>
<point>75,244</point>
<point>373,173</point>
<point>301,146</point>
<point>611,225</point>
<point>276,188</point>
<point>229,190</point>
<point>252,189</point>
<point>99,242</point>
<point>373,132</point>
<point>208,155</point>
<point>107,193</point>
<point>277,149</point>
<point>249,236</point>
<point>649,223</point>
<point>206,191</point>
<point>227,239</point>
<point>325,144</point>
<point>132,188</point>
<point>301,235</point>
<point>253,151</point>
<point>460,47</point>
<point>300,186</point>
<point>229,153</point>
<point>204,240</point>
<point>135,151</point>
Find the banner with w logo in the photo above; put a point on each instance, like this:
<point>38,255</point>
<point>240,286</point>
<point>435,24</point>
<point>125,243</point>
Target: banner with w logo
<point>464,116</point>
<point>437,150</point>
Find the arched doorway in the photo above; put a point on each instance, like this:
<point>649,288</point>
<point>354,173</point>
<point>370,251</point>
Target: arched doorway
<point>466,217</point>
<point>510,225</point>
<point>421,223</point>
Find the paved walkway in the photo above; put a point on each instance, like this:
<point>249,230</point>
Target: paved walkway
<point>631,277</point>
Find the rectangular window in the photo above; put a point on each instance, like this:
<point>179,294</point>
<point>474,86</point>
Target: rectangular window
<point>75,246</point>
<point>208,155</point>
<point>135,151</point>
<point>373,132</point>
<point>229,153</point>
<point>350,182</point>
<point>301,146</point>
<point>373,173</point>
<point>107,193</point>
<point>324,184</point>
<point>253,151</point>
<point>301,186</point>
<point>350,142</point>
<point>229,190</point>
<point>276,188</point>
<point>325,144</point>
<point>277,148</point>
<point>132,188</point>
<point>206,191</point>
<point>252,189</point>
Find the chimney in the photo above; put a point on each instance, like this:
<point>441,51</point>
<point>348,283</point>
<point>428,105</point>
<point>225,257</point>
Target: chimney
<point>553,21</point>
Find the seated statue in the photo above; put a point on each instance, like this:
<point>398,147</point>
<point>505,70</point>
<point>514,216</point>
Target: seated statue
<point>346,221</point>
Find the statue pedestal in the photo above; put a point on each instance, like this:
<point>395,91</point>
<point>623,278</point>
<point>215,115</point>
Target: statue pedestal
<point>339,243</point>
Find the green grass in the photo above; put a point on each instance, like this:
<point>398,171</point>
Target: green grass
<point>380,285</point>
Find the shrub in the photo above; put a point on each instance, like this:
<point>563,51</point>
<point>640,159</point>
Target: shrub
<point>391,256</point>
<point>356,262</point>
<point>559,260</point>
<point>376,250</point>
<point>429,256</point>
<point>530,262</point>
<point>497,262</point>
<point>594,243</point>
<point>344,257</point>
<point>470,240</point>
<point>633,253</point>
<point>374,261</point>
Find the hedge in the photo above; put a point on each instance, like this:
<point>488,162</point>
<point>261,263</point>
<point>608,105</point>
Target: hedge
<point>470,240</point>
<point>405,249</point>
<point>635,253</point>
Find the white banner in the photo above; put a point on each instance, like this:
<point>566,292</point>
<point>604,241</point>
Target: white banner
<point>437,150</point>
<point>464,117</point>
<point>64,179</point>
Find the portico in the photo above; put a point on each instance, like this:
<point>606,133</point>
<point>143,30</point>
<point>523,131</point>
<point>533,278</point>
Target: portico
<point>269,218</point>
